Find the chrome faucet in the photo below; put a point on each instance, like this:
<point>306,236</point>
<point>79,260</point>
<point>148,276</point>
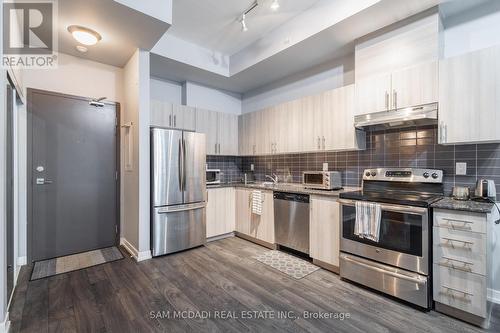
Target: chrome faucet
<point>274,178</point>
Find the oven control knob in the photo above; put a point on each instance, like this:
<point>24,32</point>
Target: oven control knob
<point>373,173</point>
<point>434,175</point>
<point>367,174</point>
<point>426,175</point>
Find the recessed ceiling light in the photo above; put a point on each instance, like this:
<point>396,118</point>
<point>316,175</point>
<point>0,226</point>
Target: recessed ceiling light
<point>84,35</point>
<point>275,5</point>
<point>82,49</point>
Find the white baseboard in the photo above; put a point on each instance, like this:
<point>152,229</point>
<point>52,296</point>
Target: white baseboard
<point>5,325</point>
<point>494,296</point>
<point>138,256</point>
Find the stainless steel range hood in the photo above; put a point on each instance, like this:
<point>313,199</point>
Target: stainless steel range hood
<point>406,117</point>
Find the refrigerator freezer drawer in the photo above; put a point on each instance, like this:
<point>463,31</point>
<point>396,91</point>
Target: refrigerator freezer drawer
<point>178,228</point>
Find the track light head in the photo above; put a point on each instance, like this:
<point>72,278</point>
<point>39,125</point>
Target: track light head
<point>244,27</point>
<point>275,5</point>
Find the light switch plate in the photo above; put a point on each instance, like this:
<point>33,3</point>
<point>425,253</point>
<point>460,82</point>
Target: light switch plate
<point>252,167</point>
<point>461,169</point>
<point>325,166</point>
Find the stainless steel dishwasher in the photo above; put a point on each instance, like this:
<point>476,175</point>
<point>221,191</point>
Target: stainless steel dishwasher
<point>291,220</point>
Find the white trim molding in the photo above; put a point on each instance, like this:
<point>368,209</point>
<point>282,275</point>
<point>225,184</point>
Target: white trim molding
<point>494,296</point>
<point>5,325</point>
<point>138,256</point>
<point>21,261</point>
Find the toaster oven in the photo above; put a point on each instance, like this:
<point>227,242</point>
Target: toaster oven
<point>322,180</point>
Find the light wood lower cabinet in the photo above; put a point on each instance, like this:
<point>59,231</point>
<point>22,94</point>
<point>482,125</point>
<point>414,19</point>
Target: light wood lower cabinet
<point>260,227</point>
<point>324,232</point>
<point>220,211</point>
<point>464,270</point>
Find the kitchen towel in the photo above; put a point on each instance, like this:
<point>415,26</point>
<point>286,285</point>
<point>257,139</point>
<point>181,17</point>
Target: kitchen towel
<point>257,199</point>
<point>367,224</point>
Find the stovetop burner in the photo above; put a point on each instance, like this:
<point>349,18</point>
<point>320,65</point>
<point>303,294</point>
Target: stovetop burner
<point>402,186</point>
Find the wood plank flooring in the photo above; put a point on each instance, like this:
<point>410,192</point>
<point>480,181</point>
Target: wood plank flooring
<point>220,279</point>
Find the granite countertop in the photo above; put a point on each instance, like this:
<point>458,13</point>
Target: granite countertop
<point>467,206</point>
<point>291,188</point>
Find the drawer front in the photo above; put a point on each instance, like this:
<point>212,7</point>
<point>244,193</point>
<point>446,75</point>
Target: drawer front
<point>461,250</point>
<point>460,290</point>
<point>463,221</point>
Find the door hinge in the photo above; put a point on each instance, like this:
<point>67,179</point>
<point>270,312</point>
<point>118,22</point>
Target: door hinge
<point>116,229</point>
<point>116,175</point>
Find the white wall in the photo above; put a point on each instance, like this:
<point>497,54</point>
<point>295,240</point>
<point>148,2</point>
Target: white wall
<point>166,91</point>
<point>328,76</point>
<point>77,76</point>
<point>135,182</point>
<point>159,9</point>
<point>202,97</point>
<point>473,30</point>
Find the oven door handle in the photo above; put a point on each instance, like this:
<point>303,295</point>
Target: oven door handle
<point>391,208</point>
<point>417,280</point>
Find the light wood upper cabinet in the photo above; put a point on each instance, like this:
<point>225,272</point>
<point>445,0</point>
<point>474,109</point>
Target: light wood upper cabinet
<point>220,211</point>
<point>416,85</point>
<point>207,122</point>
<point>469,102</point>
<point>183,117</point>
<point>228,134</point>
<point>373,94</point>
<point>164,114</point>
<point>324,232</point>
<point>243,210</point>
<point>293,124</point>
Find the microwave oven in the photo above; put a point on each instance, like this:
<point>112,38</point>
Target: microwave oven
<point>322,180</point>
<point>213,176</point>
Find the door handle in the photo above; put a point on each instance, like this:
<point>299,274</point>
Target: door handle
<point>180,165</point>
<point>43,181</point>
<point>184,165</point>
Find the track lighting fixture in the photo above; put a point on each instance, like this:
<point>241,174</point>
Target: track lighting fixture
<point>244,27</point>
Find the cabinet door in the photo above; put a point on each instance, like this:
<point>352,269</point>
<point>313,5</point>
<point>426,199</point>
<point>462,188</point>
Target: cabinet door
<point>160,114</point>
<point>280,126</point>
<point>324,233</point>
<point>184,117</point>
<point>214,199</point>
<point>294,126</point>
<point>243,210</point>
<point>228,134</point>
<point>416,85</point>
<point>469,90</point>
<point>206,122</point>
<point>262,226</point>
<point>311,120</point>
<point>243,133</point>
<point>373,94</point>
<point>228,206</point>
<point>263,130</point>
<point>253,131</point>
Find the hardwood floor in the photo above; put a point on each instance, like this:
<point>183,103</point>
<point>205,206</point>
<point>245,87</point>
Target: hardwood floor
<point>125,296</point>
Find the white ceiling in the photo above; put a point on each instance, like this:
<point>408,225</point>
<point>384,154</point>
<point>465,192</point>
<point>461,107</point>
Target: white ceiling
<point>321,48</point>
<point>213,24</point>
<point>123,29</point>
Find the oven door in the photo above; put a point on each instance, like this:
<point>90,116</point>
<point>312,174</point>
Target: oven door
<point>403,241</point>
<point>314,180</point>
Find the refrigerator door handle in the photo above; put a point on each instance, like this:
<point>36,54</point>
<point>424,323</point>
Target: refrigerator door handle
<point>181,165</point>
<point>181,208</point>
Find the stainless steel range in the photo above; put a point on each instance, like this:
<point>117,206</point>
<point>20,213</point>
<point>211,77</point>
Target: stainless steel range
<point>399,263</point>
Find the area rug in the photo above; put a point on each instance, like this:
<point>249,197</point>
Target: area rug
<point>74,262</point>
<point>286,263</point>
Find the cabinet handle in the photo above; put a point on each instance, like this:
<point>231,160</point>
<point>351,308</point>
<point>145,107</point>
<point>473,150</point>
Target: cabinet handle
<point>219,148</point>
<point>395,102</point>
<point>457,290</point>
<point>386,100</point>
<point>451,240</point>
<point>324,145</point>
<point>170,121</point>
<point>215,148</point>
<point>449,263</point>
<point>466,224</point>
<point>319,143</point>
<point>175,121</point>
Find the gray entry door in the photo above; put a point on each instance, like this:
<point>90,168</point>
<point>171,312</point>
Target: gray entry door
<point>73,175</point>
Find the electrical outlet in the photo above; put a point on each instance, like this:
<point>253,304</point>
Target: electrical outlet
<point>461,169</point>
<point>252,167</point>
<point>325,166</point>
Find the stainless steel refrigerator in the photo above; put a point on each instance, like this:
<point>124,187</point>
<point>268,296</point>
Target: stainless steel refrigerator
<point>178,189</point>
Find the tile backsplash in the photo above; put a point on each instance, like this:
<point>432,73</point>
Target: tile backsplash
<point>409,147</point>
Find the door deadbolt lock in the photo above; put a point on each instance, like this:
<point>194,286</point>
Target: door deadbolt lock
<point>40,168</point>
